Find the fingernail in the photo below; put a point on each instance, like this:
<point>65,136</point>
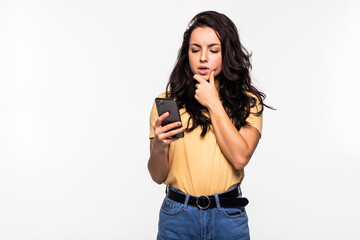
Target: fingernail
<point>178,124</point>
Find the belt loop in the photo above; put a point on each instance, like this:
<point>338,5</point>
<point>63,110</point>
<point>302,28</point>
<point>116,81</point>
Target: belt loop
<point>240,193</point>
<point>186,201</point>
<point>217,201</point>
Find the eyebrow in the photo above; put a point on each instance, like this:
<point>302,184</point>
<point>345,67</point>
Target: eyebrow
<point>210,45</point>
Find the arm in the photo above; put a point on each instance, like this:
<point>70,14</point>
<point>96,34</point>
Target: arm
<point>158,164</point>
<point>237,146</point>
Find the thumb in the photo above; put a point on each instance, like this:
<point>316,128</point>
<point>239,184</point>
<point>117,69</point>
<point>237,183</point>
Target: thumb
<point>212,76</point>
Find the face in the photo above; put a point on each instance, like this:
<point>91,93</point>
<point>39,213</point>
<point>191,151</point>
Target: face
<point>205,52</point>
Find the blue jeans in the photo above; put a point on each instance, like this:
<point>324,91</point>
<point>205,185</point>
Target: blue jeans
<point>180,221</point>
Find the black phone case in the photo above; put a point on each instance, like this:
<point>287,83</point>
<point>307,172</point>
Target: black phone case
<point>169,105</point>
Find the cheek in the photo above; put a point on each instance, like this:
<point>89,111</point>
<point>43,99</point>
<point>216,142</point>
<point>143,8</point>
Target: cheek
<point>218,64</point>
<point>191,63</point>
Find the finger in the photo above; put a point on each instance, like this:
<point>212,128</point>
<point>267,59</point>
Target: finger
<point>212,76</point>
<point>199,79</point>
<point>170,126</point>
<point>161,118</point>
<point>173,132</point>
<point>159,131</point>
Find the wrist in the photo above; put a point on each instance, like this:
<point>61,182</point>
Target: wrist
<point>215,106</point>
<point>159,148</point>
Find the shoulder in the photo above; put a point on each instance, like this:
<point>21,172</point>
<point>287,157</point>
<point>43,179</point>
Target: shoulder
<point>255,117</point>
<point>251,95</point>
<point>161,95</point>
<point>154,110</point>
<point>255,103</point>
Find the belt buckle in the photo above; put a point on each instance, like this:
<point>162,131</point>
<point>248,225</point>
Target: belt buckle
<point>203,202</point>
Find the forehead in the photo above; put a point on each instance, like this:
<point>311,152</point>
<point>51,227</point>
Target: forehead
<point>204,35</point>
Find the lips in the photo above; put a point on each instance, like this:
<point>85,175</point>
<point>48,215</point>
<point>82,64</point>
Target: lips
<point>203,70</point>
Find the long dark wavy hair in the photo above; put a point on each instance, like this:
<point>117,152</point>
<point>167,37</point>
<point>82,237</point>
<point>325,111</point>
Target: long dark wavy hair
<point>234,79</point>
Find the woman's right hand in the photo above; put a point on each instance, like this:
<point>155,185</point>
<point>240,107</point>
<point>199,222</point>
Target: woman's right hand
<point>162,133</point>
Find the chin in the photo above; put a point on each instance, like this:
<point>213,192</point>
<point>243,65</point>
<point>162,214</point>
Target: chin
<point>206,77</point>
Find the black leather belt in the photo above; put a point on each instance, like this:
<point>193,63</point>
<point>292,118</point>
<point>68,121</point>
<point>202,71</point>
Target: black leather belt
<point>228,199</point>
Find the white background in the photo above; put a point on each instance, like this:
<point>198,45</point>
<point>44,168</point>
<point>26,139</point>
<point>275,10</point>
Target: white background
<point>77,82</point>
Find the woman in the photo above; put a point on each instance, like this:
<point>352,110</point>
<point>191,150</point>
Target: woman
<point>221,113</point>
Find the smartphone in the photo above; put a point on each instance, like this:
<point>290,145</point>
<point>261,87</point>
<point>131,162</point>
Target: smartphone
<point>169,105</point>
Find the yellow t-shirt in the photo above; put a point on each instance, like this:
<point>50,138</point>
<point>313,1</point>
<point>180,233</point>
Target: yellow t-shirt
<point>197,164</point>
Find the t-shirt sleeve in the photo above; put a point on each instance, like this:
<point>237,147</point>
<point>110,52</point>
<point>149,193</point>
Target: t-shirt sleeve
<point>254,120</point>
<point>154,116</point>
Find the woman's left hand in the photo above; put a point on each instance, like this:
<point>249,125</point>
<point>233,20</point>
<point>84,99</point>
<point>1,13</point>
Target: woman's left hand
<point>206,93</point>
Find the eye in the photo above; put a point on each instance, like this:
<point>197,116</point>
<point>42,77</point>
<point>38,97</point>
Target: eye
<point>214,51</point>
<point>194,50</point>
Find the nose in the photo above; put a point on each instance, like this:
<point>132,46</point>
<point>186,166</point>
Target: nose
<point>203,56</point>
